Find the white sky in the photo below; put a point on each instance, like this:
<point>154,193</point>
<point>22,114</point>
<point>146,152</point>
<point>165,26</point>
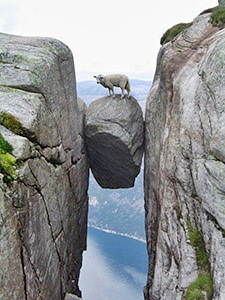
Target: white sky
<point>116,36</point>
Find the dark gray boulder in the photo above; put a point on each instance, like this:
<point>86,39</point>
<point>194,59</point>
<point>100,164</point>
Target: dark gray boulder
<point>114,136</point>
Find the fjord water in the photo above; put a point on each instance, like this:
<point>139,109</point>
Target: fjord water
<point>114,267</point>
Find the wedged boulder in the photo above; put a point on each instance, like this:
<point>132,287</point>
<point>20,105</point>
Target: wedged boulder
<point>114,135</point>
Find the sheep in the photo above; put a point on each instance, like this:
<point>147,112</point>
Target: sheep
<point>119,80</point>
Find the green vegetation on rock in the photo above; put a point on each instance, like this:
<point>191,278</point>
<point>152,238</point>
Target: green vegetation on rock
<point>5,146</point>
<point>171,33</point>
<point>202,287</point>
<point>9,121</point>
<point>218,18</point>
<point>7,161</point>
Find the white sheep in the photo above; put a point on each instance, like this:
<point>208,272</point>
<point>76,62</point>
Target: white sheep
<point>119,80</point>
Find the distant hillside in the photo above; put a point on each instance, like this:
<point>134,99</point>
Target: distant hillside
<point>119,210</point>
<point>90,90</point>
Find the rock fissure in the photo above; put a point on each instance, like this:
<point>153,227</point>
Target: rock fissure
<point>24,274</point>
<point>216,224</point>
<point>23,251</point>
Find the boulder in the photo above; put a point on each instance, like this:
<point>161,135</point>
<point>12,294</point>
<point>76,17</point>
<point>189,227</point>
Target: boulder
<point>114,136</point>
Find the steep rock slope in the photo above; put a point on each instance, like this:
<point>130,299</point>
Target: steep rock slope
<point>185,165</point>
<point>43,211</point>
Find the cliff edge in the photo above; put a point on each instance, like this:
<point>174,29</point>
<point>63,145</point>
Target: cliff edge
<point>44,170</point>
<point>185,167</point>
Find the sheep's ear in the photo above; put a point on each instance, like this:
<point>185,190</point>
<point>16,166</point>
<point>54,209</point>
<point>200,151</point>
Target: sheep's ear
<point>95,76</point>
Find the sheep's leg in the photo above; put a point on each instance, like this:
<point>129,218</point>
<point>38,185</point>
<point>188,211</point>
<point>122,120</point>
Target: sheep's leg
<point>127,87</point>
<point>113,92</point>
<point>122,90</point>
<point>110,88</point>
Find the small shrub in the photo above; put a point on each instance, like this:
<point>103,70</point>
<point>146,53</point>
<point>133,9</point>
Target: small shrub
<point>7,167</point>
<point>7,161</point>
<point>197,242</point>
<point>5,146</point>
<point>202,287</point>
<point>9,121</point>
<point>218,18</point>
<point>173,32</point>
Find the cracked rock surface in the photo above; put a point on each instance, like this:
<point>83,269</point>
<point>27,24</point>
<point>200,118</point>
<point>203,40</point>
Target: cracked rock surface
<point>114,134</point>
<point>43,214</point>
<point>185,161</point>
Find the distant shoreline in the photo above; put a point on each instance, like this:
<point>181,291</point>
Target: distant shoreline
<point>118,233</point>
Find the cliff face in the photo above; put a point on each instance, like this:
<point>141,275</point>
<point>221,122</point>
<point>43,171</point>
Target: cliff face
<point>43,197</point>
<point>43,211</point>
<point>185,164</point>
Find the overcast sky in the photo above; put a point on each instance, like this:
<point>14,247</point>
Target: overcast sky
<point>115,36</point>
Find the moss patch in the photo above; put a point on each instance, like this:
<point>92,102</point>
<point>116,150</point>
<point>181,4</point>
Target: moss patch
<point>7,161</point>
<point>218,18</point>
<point>197,242</point>
<point>5,146</point>
<point>173,32</point>
<point>9,121</point>
<point>202,287</point>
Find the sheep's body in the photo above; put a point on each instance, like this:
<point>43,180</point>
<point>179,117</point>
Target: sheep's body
<point>118,80</point>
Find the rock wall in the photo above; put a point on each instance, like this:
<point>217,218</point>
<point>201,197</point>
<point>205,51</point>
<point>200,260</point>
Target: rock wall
<point>43,211</point>
<point>222,3</point>
<point>185,162</point>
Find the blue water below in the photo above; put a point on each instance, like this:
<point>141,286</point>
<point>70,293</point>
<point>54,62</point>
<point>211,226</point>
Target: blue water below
<point>114,267</point>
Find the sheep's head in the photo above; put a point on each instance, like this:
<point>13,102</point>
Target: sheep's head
<point>99,78</point>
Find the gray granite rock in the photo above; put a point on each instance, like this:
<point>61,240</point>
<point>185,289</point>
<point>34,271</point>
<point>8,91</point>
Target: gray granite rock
<point>114,136</point>
<point>184,161</point>
<point>43,214</point>
<point>71,297</point>
<point>221,3</point>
